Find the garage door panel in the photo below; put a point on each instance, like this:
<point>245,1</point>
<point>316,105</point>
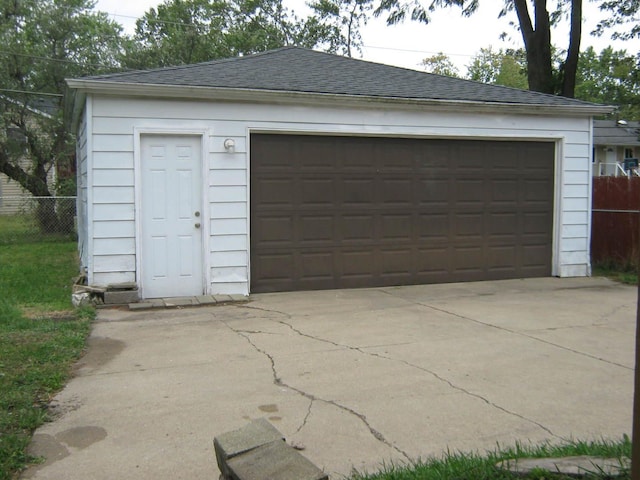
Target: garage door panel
<point>504,191</point>
<point>396,262</point>
<point>357,212</point>
<point>316,229</point>
<point>317,192</point>
<point>535,223</point>
<point>316,265</point>
<point>467,225</point>
<point>276,192</point>
<point>358,191</point>
<point>502,223</point>
<point>396,192</point>
<point>358,263</point>
<point>275,270</point>
<point>502,258</point>
<point>397,227</point>
<point>274,230</point>
<point>357,228</point>
<point>433,227</point>
<point>433,192</point>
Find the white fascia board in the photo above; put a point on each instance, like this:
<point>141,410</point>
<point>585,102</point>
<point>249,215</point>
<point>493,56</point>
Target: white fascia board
<point>309,98</point>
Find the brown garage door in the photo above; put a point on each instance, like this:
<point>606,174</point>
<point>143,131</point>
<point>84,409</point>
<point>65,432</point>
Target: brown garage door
<point>342,212</point>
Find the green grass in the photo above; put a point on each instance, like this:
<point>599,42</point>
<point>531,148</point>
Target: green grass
<point>470,466</point>
<point>627,274</point>
<point>40,333</point>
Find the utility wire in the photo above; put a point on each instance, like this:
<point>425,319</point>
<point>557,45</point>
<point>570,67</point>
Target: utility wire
<point>31,93</point>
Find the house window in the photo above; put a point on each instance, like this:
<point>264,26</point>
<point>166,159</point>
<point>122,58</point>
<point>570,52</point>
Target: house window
<point>628,153</point>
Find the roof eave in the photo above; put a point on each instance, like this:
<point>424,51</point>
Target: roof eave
<point>276,96</point>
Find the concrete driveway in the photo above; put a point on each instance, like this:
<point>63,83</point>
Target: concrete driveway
<point>355,377</point>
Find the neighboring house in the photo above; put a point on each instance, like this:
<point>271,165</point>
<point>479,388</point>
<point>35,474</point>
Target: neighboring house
<point>13,198</point>
<point>616,147</point>
<point>299,170</point>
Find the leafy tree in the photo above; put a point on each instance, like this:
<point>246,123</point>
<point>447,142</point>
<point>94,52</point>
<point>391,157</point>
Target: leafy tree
<point>342,20</point>
<point>440,64</point>
<point>623,12</point>
<point>611,77</point>
<point>508,68</point>
<point>181,32</point>
<point>535,27</point>
<point>44,42</point>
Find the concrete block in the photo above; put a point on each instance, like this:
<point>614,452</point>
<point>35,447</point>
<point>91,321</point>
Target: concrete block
<point>222,298</point>
<point>206,300</point>
<point>273,461</point>
<point>179,302</point>
<point>157,303</point>
<point>231,444</point>
<point>121,297</point>
<point>239,298</point>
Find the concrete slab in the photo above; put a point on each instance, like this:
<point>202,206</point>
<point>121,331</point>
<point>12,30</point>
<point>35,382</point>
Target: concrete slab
<point>356,378</point>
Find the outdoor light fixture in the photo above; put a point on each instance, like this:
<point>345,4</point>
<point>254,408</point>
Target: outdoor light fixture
<point>230,145</point>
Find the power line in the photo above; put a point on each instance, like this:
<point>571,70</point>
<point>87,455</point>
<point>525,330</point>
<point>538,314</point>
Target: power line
<point>31,93</point>
<point>408,50</point>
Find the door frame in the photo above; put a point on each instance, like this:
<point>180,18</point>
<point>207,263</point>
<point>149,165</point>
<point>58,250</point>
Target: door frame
<point>203,134</point>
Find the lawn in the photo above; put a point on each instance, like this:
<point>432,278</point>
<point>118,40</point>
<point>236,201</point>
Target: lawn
<point>41,335</point>
<point>473,466</point>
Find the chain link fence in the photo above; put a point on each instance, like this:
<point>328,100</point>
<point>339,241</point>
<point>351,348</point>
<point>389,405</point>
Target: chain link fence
<point>26,218</point>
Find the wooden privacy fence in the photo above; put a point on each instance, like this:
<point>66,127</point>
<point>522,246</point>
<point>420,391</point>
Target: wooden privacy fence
<point>614,226</point>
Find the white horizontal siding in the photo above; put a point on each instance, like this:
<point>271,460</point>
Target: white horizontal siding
<point>115,120</point>
<point>229,226</point>
<point>114,246</point>
<point>117,160</point>
<point>106,278</point>
<point>114,229</point>
<point>229,210</point>
<point>229,259</point>
<point>113,194</point>
<point>113,178</point>
<point>114,263</point>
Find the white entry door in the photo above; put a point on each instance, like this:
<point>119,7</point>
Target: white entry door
<point>171,218</point>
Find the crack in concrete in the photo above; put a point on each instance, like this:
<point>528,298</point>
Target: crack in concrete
<point>515,332</point>
<point>306,417</point>
<point>418,367</point>
<point>278,381</point>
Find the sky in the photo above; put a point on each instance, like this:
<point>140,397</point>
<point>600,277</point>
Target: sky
<point>405,45</point>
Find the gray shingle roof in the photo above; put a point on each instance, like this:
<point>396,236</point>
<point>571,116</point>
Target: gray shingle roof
<point>294,69</point>
<point>610,132</point>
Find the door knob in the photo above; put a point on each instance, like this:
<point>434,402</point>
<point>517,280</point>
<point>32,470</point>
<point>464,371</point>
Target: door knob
<point>197,225</point>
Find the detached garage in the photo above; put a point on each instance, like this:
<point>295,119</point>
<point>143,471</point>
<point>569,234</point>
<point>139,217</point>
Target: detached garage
<point>300,170</point>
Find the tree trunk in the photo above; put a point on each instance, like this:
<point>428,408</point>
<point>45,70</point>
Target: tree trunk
<point>537,43</point>
<point>571,63</point>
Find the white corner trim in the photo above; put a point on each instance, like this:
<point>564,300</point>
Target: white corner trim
<point>90,206</point>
